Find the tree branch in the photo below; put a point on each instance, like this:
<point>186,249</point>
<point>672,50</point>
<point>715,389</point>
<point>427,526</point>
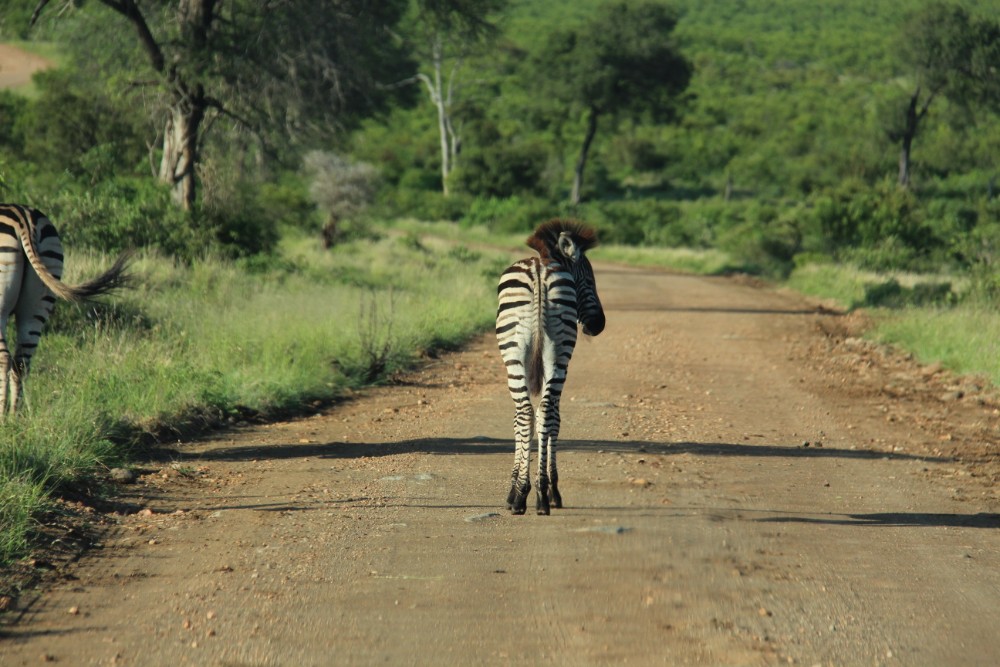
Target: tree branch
<point>38,12</point>
<point>130,10</point>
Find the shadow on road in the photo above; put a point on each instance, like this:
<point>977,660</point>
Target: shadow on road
<point>626,308</point>
<point>981,520</point>
<point>486,445</point>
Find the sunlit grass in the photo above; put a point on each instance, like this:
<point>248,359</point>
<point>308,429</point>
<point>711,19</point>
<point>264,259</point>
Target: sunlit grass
<point>688,260</point>
<point>963,336</point>
<point>965,339</point>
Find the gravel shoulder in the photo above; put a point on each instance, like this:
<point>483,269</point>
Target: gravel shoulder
<point>746,483</point>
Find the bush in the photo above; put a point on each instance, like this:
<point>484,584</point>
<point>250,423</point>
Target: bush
<point>507,214</point>
<point>122,213</point>
<point>82,132</point>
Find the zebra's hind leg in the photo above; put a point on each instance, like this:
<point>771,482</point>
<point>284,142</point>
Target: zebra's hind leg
<point>4,378</point>
<point>555,500</point>
<point>542,491</point>
<point>520,481</point>
<point>18,371</point>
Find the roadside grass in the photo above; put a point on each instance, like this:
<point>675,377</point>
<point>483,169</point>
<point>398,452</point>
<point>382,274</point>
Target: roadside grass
<point>688,260</point>
<point>934,317</point>
<point>190,346</point>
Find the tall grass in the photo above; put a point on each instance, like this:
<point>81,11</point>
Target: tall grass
<point>190,345</point>
<point>965,338</point>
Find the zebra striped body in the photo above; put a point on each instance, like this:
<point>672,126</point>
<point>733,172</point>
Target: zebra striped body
<point>31,265</point>
<point>541,301</point>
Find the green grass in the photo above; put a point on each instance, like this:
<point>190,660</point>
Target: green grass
<point>965,339</point>
<point>702,262</point>
<point>961,333</point>
<point>191,345</point>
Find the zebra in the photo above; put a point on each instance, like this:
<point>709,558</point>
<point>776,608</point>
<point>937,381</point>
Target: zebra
<point>29,239</point>
<point>541,300</point>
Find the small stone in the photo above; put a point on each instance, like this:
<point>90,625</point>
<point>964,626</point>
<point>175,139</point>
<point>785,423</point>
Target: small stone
<point>210,615</point>
<point>145,512</point>
<point>123,475</point>
<point>75,611</point>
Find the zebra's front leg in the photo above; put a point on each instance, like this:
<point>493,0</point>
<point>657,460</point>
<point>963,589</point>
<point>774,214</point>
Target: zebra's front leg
<point>520,481</point>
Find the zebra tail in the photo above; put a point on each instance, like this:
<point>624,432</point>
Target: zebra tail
<point>116,277</point>
<point>535,370</point>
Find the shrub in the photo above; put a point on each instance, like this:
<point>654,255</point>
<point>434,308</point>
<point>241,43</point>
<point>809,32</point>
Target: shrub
<point>507,214</point>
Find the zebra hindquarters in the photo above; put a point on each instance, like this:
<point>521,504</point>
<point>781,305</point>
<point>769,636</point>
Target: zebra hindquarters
<point>12,270</point>
<point>33,310</point>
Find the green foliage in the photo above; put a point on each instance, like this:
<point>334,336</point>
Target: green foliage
<point>66,128</point>
<point>507,214</point>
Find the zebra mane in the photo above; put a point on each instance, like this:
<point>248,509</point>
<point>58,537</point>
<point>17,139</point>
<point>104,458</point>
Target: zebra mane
<point>546,237</point>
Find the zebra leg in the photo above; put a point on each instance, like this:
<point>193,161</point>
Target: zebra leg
<point>18,371</point>
<point>34,307</point>
<point>4,375</point>
<point>555,500</point>
<point>520,481</point>
<point>548,475</point>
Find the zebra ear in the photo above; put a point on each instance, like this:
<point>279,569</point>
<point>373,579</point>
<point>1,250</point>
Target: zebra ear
<point>567,246</point>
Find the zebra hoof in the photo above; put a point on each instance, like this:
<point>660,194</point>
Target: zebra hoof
<point>555,500</point>
<point>517,503</point>
<point>542,506</point>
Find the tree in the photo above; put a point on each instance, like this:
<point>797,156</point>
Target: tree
<point>341,187</point>
<point>623,62</point>
<point>952,54</point>
<point>288,70</point>
<point>444,41</point>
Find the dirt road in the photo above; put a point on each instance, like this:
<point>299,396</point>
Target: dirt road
<point>745,484</point>
<point>17,66</point>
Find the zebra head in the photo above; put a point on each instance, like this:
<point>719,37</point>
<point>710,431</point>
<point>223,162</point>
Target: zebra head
<point>566,243</point>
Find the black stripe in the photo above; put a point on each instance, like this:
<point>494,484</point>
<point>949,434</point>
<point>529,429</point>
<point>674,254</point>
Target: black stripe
<point>46,232</point>
<point>507,327</point>
<point>52,254</point>
<point>513,284</point>
<point>511,304</point>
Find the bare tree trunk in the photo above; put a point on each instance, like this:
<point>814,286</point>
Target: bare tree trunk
<point>913,118</point>
<point>581,162</point>
<point>441,96</point>
<point>909,132</point>
<point>180,147</point>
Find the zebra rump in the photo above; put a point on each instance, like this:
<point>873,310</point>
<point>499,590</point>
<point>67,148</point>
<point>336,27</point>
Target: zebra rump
<point>29,239</point>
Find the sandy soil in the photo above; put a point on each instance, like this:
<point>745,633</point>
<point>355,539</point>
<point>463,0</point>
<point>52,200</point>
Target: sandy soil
<point>17,66</point>
<point>745,482</point>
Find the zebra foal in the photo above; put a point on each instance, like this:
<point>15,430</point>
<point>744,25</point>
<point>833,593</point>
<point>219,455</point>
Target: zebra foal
<point>31,265</point>
<point>541,301</point>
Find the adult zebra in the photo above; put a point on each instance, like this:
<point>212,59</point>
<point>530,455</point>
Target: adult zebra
<point>29,239</point>
<point>541,300</point>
